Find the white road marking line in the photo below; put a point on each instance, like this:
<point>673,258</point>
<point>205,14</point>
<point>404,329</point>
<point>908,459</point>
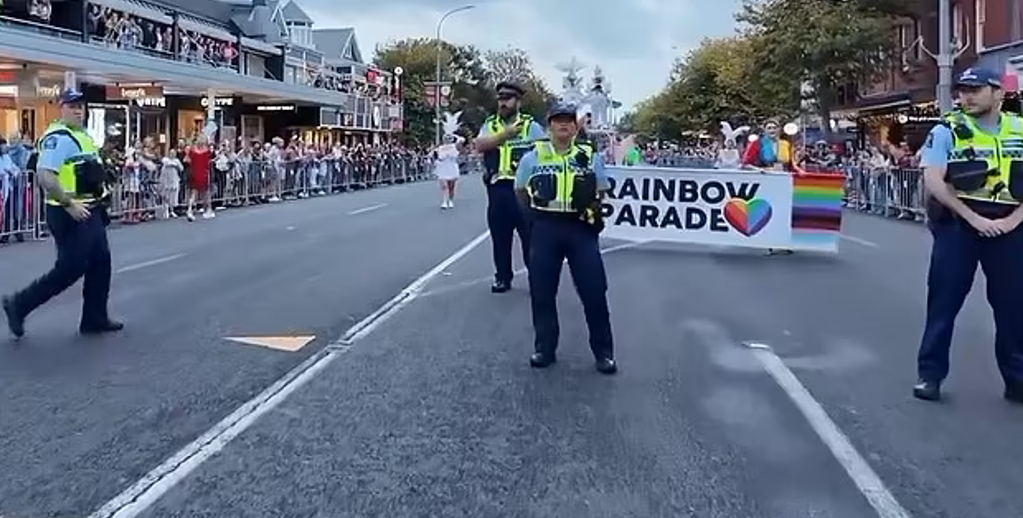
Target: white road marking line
<point>147,264</point>
<point>364,210</point>
<point>151,487</point>
<point>459,286</point>
<point>859,241</point>
<point>865,478</point>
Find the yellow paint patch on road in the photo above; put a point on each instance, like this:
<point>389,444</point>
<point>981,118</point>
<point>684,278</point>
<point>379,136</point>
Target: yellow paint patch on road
<point>280,343</point>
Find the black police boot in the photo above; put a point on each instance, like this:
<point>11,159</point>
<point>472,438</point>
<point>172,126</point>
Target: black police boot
<point>927,390</point>
<point>1014,393</point>
<point>110,326</point>
<point>500,287</point>
<point>15,322</point>
<point>606,366</point>
<point>542,360</point>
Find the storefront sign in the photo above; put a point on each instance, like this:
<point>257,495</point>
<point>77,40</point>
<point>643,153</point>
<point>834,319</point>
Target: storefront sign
<point>276,108</point>
<point>48,90</point>
<point>128,93</point>
<point>151,102</point>
<point>219,102</point>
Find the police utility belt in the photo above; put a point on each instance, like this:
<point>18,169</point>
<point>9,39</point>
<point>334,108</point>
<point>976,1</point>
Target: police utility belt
<point>986,167</point>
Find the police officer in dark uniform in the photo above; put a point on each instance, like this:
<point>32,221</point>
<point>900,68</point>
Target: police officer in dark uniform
<point>973,172</point>
<point>71,174</point>
<point>504,138</point>
<point>560,181</point>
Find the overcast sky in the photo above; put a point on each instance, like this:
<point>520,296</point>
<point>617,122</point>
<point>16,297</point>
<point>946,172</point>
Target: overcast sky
<point>634,41</point>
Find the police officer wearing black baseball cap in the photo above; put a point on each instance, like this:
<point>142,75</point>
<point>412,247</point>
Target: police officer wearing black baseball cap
<point>973,173</point>
<point>504,138</point>
<point>71,174</point>
<point>561,181</point>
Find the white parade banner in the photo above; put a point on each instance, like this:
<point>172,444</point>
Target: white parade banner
<point>721,207</point>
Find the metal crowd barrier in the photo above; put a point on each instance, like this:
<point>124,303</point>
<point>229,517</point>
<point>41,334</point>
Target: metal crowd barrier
<point>891,192</point>
<point>18,220</point>
<point>140,196</point>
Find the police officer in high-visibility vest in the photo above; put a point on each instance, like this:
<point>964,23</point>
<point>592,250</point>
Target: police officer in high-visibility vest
<point>561,182</point>
<point>73,179</point>
<point>973,172</point>
<point>504,138</point>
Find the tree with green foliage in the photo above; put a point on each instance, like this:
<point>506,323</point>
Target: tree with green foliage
<point>515,65</point>
<point>460,65</point>
<point>719,80</point>
<point>472,75</point>
<point>829,43</point>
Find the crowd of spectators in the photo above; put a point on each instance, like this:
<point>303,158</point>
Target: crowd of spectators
<point>154,182</point>
<point>127,31</point>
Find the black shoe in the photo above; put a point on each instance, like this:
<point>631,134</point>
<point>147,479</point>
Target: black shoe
<point>1014,393</point>
<point>606,366</point>
<point>110,326</point>
<point>15,322</point>
<point>927,390</point>
<point>500,287</point>
<point>542,360</point>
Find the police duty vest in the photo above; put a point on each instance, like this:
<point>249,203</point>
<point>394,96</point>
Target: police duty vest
<point>81,175</point>
<point>984,166</point>
<point>562,183</point>
<point>502,162</point>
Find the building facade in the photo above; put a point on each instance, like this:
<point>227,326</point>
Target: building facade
<point>901,106</point>
<point>166,68</point>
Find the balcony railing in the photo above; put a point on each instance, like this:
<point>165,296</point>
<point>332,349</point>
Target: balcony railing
<point>109,28</point>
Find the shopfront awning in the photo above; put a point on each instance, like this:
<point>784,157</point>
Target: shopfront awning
<point>136,7</point>
<point>31,47</point>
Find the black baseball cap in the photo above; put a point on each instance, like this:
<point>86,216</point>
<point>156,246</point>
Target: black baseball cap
<point>562,109</point>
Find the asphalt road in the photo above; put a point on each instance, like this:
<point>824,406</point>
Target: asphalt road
<point>435,412</point>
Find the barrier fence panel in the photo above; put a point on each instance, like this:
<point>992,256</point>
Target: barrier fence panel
<point>18,218</point>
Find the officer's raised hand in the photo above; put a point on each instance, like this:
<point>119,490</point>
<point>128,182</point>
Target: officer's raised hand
<point>77,210</point>
<point>514,128</point>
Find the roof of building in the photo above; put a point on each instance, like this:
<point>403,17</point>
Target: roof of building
<point>291,11</point>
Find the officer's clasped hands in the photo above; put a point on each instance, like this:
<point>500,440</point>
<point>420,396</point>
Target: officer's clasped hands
<point>77,211</point>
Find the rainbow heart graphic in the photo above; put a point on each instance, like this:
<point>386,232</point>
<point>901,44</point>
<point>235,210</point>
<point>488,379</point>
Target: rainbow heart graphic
<point>748,217</point>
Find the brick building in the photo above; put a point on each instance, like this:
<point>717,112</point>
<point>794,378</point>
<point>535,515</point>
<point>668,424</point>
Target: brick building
<point>901,105</point>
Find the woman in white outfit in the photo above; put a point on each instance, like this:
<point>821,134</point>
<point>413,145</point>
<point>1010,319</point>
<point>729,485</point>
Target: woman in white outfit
<point>446,161</point>
<point>728,156</point>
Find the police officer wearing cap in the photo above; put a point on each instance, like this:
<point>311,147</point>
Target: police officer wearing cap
<point>73,179</point>
<point>504,138</point>
<point>973,173</point>
<point>561,181</point>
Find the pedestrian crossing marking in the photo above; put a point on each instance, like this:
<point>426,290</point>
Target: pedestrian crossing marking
<point>280,343</point>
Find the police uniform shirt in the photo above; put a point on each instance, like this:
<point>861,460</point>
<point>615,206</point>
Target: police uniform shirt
<point>54,150</point>
<point>536,131</point>
<point>528,163</point>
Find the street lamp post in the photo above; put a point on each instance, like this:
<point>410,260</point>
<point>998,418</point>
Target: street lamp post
<point>436,85</point>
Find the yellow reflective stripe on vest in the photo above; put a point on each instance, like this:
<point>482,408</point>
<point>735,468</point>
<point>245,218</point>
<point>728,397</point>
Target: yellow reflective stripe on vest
<point>66,177</point>
<point>998,151</point>
<point>505,164</point>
